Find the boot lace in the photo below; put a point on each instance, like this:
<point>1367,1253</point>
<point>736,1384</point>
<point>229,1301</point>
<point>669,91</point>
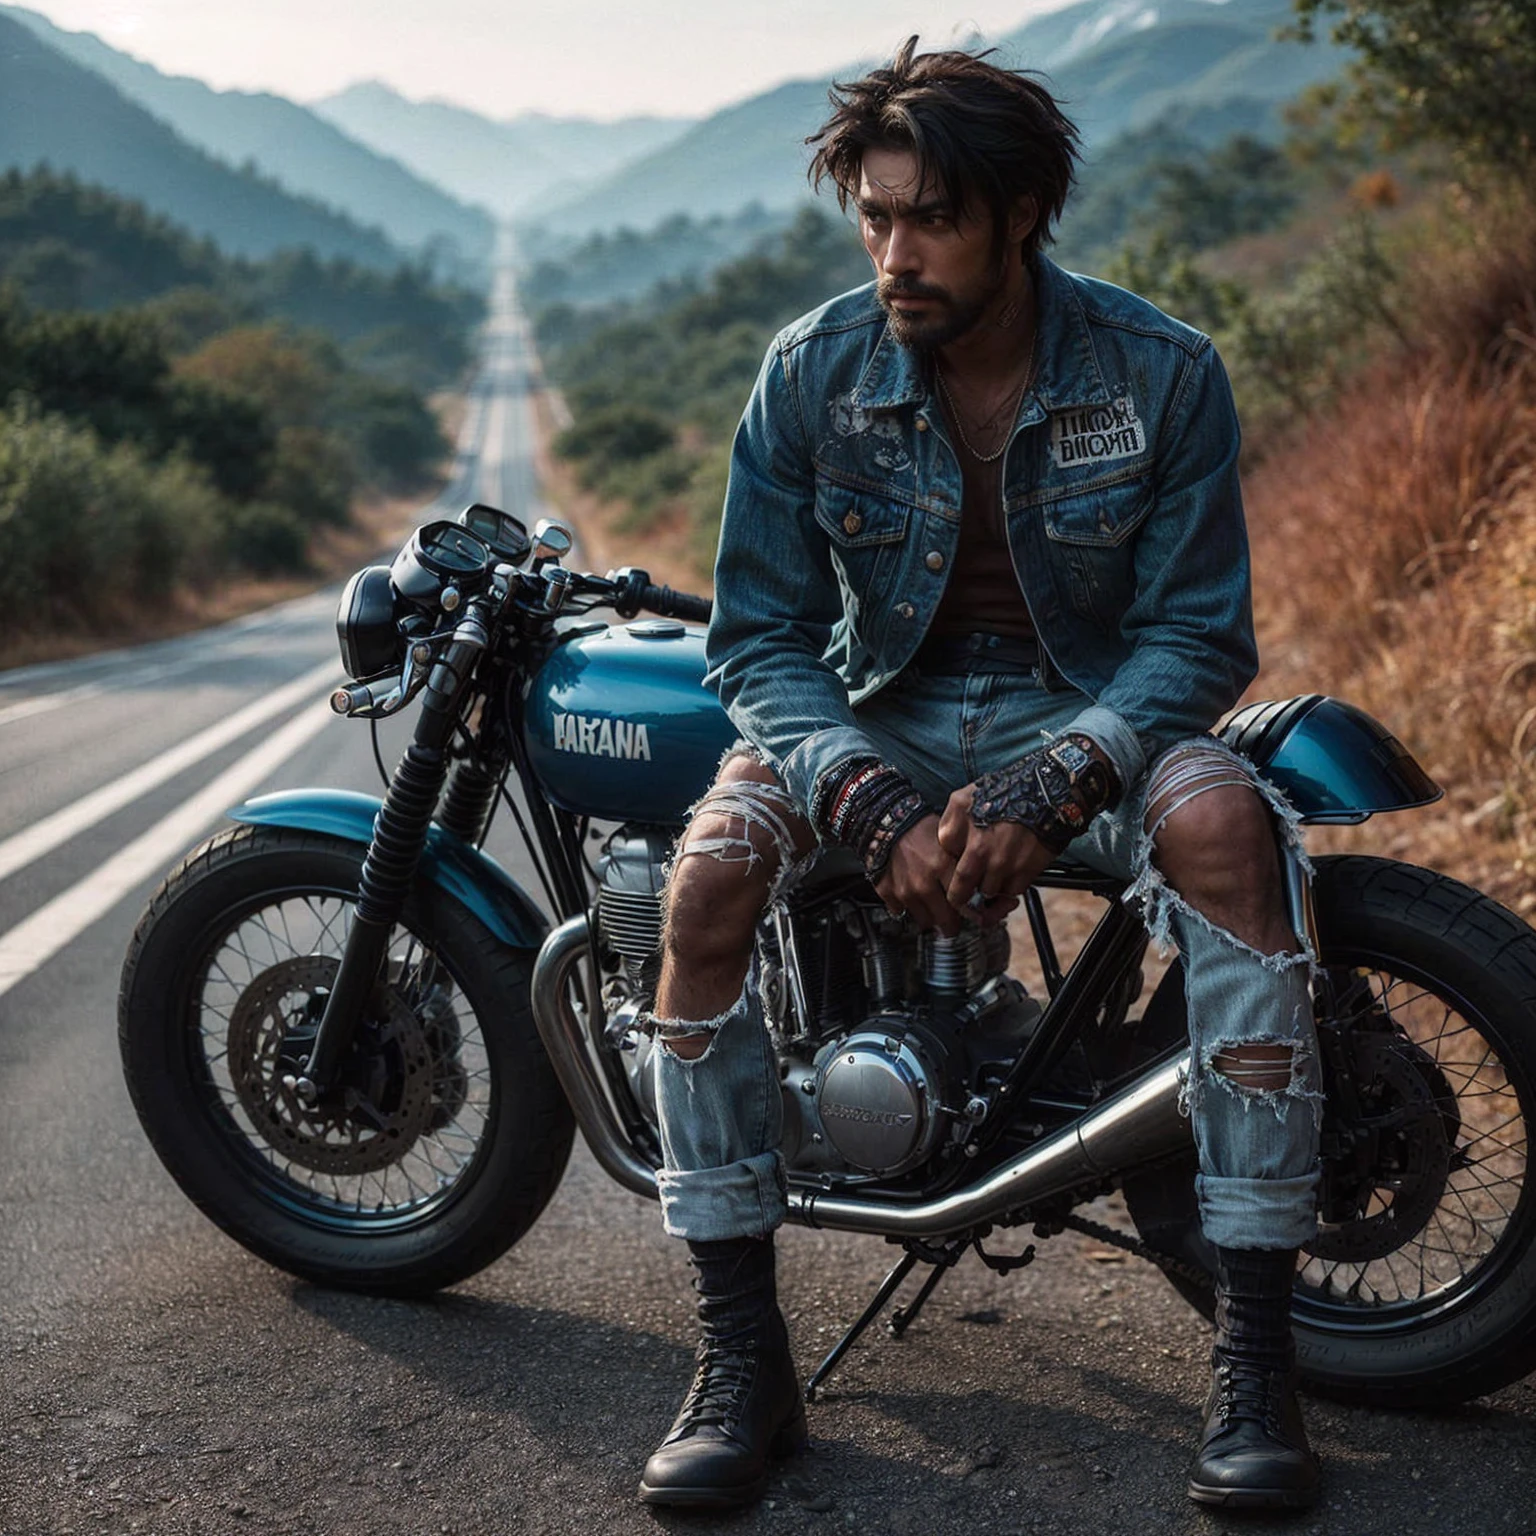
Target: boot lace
<point>720,1384</point>
<point>1251,1394</point>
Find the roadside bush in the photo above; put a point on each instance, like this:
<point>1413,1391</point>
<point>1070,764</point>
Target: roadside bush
<point>609,441</point>
<point>265,539</point>
<point>647,484</point>
<point>395,437</point>
<point>313,477</point>
<point>87,530</point>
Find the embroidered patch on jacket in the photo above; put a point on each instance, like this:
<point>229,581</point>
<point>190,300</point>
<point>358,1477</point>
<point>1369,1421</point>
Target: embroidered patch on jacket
<point>1097,434</point>
<point>850,420</point>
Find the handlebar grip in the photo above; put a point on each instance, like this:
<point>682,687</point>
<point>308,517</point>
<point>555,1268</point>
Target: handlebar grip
<point>676,605</point>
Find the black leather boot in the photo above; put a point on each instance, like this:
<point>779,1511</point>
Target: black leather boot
<point>1253,1450</point>
<point>744,1406</point>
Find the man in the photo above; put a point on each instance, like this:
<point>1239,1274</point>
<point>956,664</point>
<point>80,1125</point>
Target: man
<point>982,590</point>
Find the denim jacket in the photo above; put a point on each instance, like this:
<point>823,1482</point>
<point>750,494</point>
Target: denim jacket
<point>1123,513</point>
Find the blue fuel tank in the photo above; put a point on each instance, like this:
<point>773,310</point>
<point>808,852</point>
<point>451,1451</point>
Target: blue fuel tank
<point>619,725</point>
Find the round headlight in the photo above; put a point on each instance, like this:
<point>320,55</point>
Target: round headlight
<point>370,640</point>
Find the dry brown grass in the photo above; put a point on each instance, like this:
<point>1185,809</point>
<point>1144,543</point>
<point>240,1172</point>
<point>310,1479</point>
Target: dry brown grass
<point>1395,557</point>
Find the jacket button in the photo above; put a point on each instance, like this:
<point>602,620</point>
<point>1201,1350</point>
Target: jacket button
<point>934,560</point>
<point>922,423</point>
<point>906,610</point>
<point>852,523</point>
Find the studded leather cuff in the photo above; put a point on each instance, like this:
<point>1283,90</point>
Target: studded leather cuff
<point>1055,791</point>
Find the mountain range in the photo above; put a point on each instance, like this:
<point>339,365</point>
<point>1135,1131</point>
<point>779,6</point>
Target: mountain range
<point>283,141</point>
<point>55,112</point>
<point>508,166</point>
<point>1207,68</point>
<point>368,174</point>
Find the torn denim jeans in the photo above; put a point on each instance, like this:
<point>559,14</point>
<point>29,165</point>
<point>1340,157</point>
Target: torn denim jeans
<point>723,1175</point>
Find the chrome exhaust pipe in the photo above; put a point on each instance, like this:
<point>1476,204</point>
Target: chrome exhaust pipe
<point>564,1034</point>
<point>1140,1123</point>
<point>1136,1125</point>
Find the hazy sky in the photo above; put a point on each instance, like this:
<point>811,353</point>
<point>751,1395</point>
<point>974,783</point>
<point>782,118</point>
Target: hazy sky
<point>587,58</point>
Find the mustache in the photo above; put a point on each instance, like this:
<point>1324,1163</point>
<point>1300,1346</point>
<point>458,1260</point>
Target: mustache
<point>890,288</point>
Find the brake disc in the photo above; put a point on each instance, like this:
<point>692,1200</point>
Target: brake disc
<point>382,1101</point>
<point>1413,1158</point>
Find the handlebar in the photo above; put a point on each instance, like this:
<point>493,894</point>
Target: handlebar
<point>634,590</point>
<point>676,605</point>
<point>440,660</point>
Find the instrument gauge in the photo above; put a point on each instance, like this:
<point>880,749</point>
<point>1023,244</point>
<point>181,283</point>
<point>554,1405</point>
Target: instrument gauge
<point>437,554</point>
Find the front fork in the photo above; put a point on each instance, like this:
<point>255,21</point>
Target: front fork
<point>399,836</point>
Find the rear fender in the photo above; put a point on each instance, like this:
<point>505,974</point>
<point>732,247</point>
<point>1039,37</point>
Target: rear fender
<point>1333,762</point>
<point>474,879</point>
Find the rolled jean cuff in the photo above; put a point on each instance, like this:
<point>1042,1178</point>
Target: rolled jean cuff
<point>1113,733</point>
<point>1258,1213</point>
<point>709,1205</point>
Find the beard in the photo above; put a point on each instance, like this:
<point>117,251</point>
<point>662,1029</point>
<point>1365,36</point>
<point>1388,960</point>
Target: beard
<point>954,316</point>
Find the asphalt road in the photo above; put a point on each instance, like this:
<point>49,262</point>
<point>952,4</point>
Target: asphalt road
<point>159,1379</point>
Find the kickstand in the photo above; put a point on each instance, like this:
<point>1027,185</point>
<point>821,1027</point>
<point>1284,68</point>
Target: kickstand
<point>900,1318</point>
<point>903,1317</point>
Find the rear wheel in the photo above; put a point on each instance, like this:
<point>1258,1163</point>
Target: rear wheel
<point>1420,1288</point>
<point>447,1132</point>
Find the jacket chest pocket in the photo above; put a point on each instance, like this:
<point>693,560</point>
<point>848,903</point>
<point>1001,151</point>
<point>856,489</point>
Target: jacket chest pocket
<point>1091,534</point>
<point>866,534</point>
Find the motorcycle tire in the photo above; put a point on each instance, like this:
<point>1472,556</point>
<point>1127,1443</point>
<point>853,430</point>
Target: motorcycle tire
<point>448,1132</point>
<point>1426,1294</point>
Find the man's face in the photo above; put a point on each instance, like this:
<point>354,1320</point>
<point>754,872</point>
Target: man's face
<point>938,269</point>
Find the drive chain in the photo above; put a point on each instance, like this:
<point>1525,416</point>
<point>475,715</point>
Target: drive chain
<point>1116,1239</point>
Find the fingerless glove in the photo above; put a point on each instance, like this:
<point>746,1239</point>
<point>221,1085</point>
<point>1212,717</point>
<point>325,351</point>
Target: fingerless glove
<point>1055,791</point>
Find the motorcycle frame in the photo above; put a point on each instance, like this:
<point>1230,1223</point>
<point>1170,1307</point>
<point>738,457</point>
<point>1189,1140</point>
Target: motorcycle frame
<point>484,657</point>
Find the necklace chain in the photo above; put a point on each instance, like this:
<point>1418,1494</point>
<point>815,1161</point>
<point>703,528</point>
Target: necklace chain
<point>954,411</point>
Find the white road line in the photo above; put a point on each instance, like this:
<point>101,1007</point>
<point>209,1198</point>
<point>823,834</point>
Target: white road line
<point>36,940</point>
<point>46,835</point>
<point>205,649</point>
<point>492,450</point>
<point>44,703</point>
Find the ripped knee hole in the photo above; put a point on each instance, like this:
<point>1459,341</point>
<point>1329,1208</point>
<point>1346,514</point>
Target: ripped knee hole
<point>685,1047</point>
<point>767,816</point>
<point>1256,1068</point>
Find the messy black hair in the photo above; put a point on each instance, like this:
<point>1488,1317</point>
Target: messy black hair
<point>984,137</point>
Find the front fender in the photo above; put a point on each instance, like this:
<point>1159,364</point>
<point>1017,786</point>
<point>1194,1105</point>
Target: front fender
<point>471,877</point>
<point>1333,762</point>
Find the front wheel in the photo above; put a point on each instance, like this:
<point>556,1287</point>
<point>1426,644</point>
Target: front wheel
<point>1420,1287</point>
<point>447,1132</point>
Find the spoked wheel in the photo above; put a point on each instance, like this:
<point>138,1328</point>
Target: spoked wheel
<point>1432,1165</point>
<point>1420,1287</point>
<point>446,1132</point>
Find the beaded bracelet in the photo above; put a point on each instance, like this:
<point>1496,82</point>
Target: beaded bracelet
<point>903,815</point>
<point>867,806</point>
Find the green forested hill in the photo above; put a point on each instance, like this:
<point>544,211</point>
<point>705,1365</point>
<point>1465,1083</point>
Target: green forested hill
<point>169,413</point>
<point>64,245</point>
<point>54,112</point>
<point>300,149</point>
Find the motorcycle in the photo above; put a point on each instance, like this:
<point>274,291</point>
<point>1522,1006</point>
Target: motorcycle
<point>362,1048</point>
